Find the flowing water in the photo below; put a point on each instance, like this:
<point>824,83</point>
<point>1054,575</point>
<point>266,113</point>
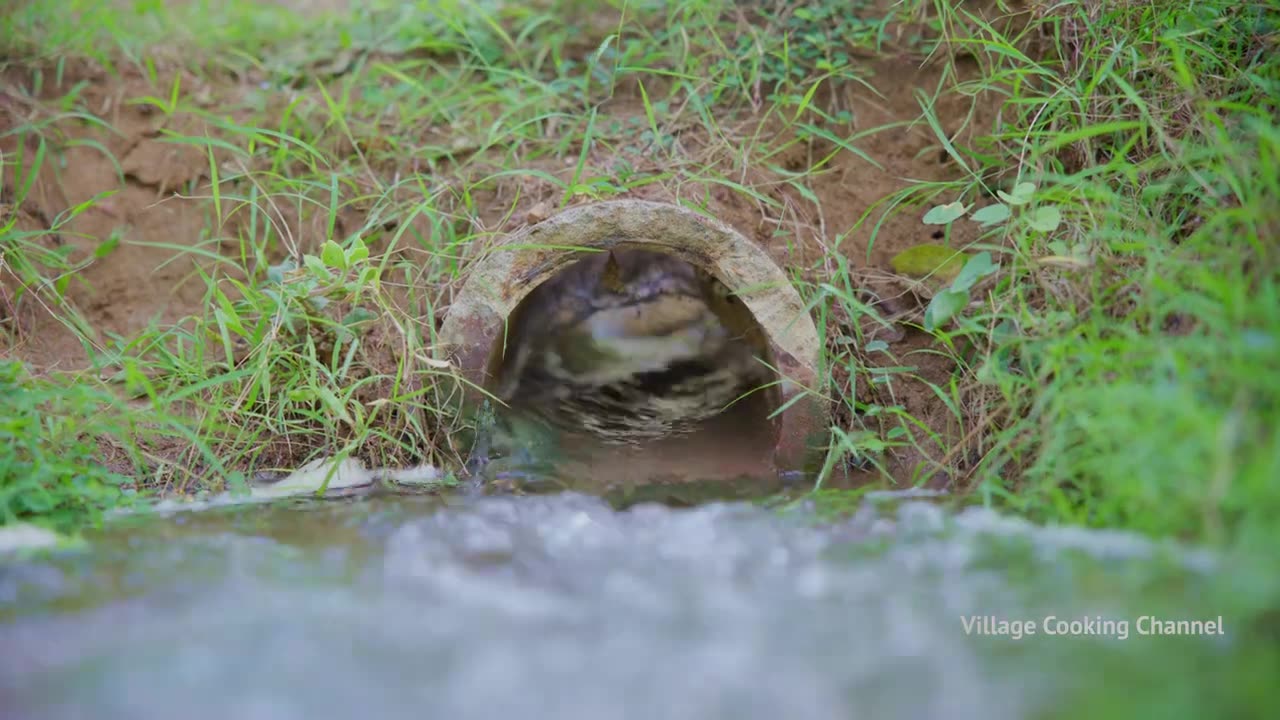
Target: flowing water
<point>558,606</point>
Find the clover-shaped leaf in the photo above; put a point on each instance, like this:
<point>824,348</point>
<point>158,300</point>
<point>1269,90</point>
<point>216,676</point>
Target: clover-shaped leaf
<point>1045,218</point>
<point>991,214</point>
<point>978,267</point>
<point>358,252</point>
<point>943,307</point>
<point>317,267</point>
<point>943,214</point>
<point>333,256</point>
<point>276,273</point>
<point>1020,195</point>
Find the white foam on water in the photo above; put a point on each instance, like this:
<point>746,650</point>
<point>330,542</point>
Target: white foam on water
<point>555,607</point>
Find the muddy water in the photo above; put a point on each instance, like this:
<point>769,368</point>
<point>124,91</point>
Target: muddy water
<point>557,606</point>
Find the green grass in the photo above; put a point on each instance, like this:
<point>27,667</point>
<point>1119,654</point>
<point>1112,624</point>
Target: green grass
<point>1139,389</point>
<point>1116,337</point>
<point>56,436</point>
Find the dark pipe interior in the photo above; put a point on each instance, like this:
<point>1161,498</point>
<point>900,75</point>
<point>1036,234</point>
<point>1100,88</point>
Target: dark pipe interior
<point>733,446</point>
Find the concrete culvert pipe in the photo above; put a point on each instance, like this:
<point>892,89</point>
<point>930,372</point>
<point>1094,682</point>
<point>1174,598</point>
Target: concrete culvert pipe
<point>538,281</point>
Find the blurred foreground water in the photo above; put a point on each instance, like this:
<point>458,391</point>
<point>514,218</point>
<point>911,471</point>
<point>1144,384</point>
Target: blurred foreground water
<point>557,606</point>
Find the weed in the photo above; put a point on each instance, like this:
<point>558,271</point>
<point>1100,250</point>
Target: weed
<point>50,464</point>
<point>1128,374</point>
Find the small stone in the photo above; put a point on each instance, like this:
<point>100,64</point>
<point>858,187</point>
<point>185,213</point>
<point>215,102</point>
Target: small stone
<point>538,213</point>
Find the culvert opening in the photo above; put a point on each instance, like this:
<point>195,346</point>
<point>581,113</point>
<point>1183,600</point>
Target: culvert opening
<point>741,445</point>
<point>649,369</point>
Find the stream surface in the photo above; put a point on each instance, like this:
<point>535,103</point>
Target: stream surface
<point>558,606</point>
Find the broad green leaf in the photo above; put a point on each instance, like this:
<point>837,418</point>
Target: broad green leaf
<point>358,252</point>
<point>943,307</point>
<point>317,267</point>
<point>991,214</point>
<point>333,256</point>
<point>276,273</point>
<point>978,267</point>
<point>1021,195</point>
<point>929,260</point>
<point>358,315</point>
<point>943,214</point>
<point>1005,331</point>
<point>1045,218</point>
<point>367,277</point>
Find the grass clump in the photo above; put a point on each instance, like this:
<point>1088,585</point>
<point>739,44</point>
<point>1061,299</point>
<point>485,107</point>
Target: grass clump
<point>1119,370</point>
<point>51,460</point>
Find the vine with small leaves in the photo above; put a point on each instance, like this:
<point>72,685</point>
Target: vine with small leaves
<point>1015,205</point>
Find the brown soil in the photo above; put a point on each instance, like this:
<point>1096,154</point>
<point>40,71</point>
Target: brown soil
<point>158,205</point>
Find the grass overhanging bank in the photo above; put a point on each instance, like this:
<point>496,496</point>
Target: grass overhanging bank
<point>229,231</point>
